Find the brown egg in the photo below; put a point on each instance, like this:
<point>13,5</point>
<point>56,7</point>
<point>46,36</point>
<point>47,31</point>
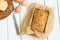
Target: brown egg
<point>18,9</point>
<point>18,1</point>
<point>24,2</point>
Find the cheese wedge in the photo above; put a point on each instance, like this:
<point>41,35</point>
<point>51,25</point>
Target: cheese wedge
<point>3,5</point>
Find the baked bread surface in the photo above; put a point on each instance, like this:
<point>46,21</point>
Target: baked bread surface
<point>39,20</point>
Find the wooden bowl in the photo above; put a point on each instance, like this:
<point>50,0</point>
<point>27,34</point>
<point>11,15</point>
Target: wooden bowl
<point>7,12</point>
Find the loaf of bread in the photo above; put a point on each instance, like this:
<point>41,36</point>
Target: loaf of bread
<point>39,20</point>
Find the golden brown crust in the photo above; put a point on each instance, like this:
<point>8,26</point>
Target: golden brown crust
<point>39,20</point>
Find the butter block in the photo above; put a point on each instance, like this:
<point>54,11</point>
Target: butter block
<point>3,5</point>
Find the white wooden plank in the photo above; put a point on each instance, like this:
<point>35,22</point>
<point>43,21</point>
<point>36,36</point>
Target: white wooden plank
<point>55,32</point>
<point>58,2</point>
<point>3,29</point>
<point>11,29</point>
<point>59,11</point>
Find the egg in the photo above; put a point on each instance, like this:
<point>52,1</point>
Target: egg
<point>18,9</point>
<point>24,2</point>
<point>18,1</point>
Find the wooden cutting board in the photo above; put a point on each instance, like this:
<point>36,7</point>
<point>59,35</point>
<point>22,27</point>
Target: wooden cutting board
<point>7,12</point>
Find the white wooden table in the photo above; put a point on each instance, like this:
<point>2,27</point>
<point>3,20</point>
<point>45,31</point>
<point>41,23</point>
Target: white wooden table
<point>7,28</point>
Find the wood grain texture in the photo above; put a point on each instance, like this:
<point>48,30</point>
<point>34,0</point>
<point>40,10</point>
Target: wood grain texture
<point>7,12</point>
